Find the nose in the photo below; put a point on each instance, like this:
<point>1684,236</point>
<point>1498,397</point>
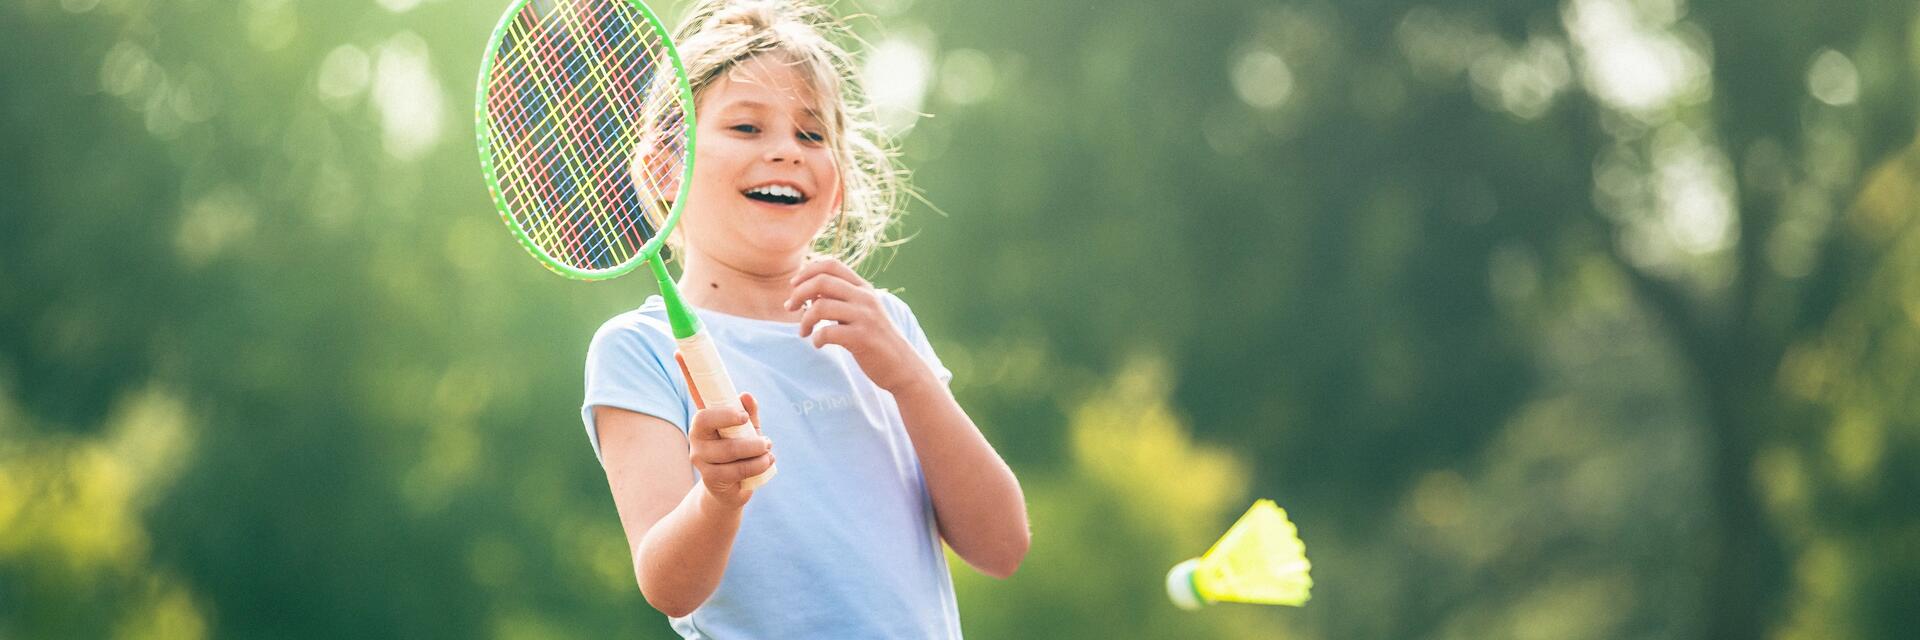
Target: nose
<point>786,151</point>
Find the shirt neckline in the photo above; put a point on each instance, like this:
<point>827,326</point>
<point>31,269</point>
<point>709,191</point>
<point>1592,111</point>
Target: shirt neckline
<point>655,302</point>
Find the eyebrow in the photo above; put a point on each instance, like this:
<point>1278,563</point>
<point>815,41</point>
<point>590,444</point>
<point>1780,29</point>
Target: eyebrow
<point>746,104</point>
<point>756,105</point>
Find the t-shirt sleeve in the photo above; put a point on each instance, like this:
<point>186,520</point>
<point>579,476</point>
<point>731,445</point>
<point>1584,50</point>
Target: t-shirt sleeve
<point>630,368</point>
<point>909,326</point>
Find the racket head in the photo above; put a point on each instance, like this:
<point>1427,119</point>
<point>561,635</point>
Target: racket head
<point>585,124</point>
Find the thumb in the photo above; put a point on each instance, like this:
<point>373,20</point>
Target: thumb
<point>753,409</point>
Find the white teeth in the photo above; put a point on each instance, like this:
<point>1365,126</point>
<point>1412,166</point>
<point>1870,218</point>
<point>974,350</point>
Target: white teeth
<point>780,190</point>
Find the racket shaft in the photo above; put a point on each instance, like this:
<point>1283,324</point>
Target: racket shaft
<point>708,375</point>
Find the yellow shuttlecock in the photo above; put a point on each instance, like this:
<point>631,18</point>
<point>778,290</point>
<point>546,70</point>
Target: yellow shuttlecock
<point>1261,561</point>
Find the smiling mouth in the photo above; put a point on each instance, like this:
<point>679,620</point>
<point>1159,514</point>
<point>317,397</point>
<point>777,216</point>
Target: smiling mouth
<point>776,194</point>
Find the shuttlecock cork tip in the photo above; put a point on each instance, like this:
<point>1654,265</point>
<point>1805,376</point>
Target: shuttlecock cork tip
<point>1180,587</point>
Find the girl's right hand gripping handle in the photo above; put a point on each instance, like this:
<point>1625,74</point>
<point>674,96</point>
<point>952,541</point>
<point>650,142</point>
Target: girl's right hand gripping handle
<point>710,383</point>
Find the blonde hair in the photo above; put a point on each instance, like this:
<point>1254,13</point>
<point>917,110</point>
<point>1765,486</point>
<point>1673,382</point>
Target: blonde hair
<point>719,35</point>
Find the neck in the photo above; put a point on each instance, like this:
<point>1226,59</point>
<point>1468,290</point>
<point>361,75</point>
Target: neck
<point>758,292</point>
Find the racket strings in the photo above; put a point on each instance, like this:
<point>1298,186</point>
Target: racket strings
<point>584,73</point>
<point>566,110</point>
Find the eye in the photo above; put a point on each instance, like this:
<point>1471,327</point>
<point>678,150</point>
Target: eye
<point>813,136</point>
<point>745,128</point>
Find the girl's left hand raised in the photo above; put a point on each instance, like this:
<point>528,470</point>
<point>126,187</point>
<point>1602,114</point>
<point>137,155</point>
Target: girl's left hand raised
<point>830,290</point>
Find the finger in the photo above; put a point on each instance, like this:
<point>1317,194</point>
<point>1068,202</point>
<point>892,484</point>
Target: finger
<point>707,423</point>
<point>828,265</point>
<point>735,472</point>
<point>824,285</point>
<point>836,267</point>
<point>812,267</point>
<point>730,450</point>
<point>688,376</point>
<point>832,334</point>
<point>839,311</point>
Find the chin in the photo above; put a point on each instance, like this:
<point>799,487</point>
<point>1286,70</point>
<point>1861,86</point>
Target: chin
<point>769,255</point>
<point>779,237</point>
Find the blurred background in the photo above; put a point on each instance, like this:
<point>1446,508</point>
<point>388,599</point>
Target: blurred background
<point>1555,320</point>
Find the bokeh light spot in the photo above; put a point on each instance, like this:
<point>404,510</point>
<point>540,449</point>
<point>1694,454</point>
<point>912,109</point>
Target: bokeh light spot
<point>1262,79</point>
<point>1833,79</point>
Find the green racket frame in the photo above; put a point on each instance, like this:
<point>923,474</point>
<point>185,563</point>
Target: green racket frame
<point>481,134</point>
<point>685,323</point>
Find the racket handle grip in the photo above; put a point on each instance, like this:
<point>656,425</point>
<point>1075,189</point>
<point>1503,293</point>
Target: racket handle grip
<point>710,381</point>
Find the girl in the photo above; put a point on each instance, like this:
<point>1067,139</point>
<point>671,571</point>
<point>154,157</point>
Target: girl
<point>878,464</point>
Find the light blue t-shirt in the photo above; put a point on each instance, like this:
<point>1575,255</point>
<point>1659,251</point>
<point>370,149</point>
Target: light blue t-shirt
<point>842,542</point>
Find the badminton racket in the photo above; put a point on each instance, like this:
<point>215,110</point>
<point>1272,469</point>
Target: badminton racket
<point>585,123</point>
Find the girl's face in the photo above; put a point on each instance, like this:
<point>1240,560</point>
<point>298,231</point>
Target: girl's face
<point>764,180</point>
